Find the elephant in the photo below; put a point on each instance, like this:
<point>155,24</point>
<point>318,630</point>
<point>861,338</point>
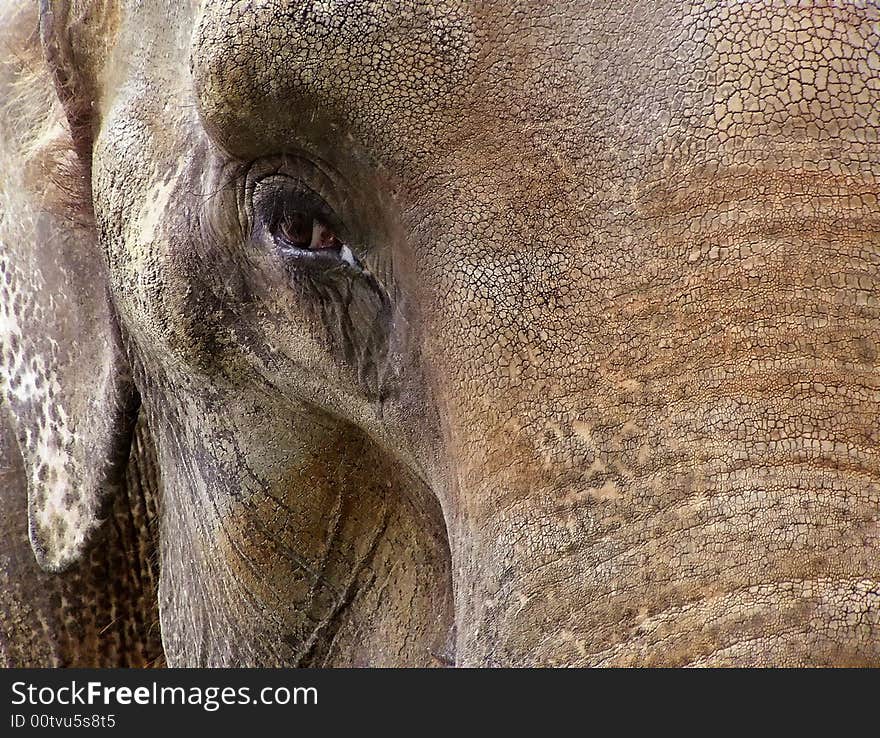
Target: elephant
<point>389,333</point>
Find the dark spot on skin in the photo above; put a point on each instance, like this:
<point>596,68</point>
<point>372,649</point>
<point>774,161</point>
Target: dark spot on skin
<point>866,350</point>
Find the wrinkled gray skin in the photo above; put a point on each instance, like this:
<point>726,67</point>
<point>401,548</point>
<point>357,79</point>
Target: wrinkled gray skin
<point>600,386</point>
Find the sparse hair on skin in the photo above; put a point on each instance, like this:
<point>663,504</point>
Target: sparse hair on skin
<point>53,152</point>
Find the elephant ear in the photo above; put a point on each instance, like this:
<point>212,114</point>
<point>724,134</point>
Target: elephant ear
<point>65,380</point>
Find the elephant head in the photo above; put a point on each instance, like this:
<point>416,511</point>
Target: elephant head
<point>495,333</point>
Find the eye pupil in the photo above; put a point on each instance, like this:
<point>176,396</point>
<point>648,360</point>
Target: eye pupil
<point>296,228</point>
<point>303,231</point>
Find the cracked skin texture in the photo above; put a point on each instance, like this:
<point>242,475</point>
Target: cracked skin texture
<point>609,395</point>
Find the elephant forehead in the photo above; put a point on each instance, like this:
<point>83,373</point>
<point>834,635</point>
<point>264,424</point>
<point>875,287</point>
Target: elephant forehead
<point>259,68</point>
<point>407,81</point>
<point>561,82</point>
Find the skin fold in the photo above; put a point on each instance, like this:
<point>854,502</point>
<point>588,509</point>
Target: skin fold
<point>442,333</point>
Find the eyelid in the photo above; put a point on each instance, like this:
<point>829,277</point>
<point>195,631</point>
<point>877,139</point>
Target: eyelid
<point>284,175</point>
<point>278,193</point>
<point>315,177</point>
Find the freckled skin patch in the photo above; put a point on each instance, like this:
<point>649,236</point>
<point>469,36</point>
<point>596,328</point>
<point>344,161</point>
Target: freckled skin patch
<point>59,405</point>
<point>611,396</point>
<point>62,379</point>
<point>102,611</point>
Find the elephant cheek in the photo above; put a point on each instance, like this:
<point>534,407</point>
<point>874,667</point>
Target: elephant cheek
<point>649,541</point>
<point>585,578</point>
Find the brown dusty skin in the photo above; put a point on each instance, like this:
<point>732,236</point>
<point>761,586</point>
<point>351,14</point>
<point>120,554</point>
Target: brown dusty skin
<point>596,382</point>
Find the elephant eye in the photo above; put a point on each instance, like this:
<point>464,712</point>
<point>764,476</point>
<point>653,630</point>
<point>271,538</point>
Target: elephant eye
<point>300,224</point>
<point>300,230</point>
